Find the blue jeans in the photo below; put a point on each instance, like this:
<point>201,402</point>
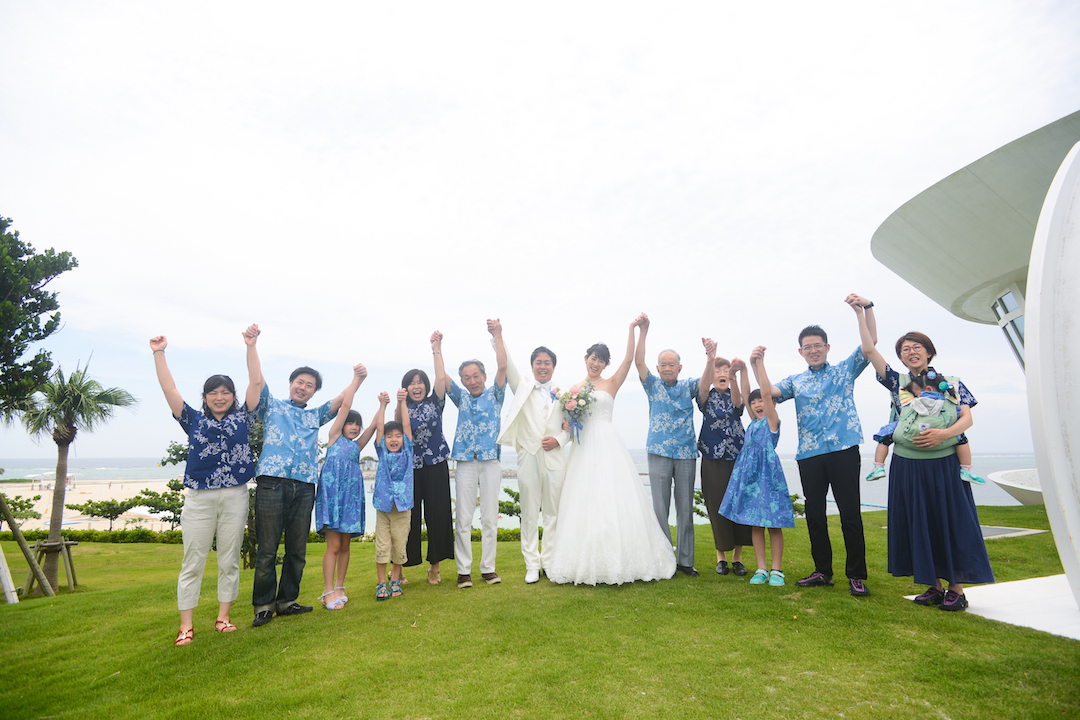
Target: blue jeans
<point>281,505</point>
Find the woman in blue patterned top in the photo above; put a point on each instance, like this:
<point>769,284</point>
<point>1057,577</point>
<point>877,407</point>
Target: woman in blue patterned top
<point>719,442</point>
<point>218,468</point>
<point>431,472</point>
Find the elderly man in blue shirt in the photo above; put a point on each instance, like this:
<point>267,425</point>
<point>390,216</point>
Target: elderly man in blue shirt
<point>828,452</point>
<point>285,484</point>
<point>476,454</point>
<point>671,444</point>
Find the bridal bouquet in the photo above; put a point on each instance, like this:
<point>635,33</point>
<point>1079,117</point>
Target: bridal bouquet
<point>577,404</point>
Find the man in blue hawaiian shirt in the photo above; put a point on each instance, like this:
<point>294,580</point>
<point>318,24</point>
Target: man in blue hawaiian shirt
<point>671,444</point>
<point>828,452</point>
<point>286,475</point>
<point>476,454</point>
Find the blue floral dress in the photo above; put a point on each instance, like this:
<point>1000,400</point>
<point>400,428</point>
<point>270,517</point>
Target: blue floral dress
<point>339,501</point>
<point>757,493</point>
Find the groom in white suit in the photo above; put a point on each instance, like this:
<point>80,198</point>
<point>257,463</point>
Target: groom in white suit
<point>534,429</point>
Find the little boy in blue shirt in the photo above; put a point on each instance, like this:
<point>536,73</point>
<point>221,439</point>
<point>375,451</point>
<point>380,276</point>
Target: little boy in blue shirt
<point>393,494</point>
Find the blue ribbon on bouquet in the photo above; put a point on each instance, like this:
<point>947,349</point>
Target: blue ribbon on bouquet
<point>576,427</point>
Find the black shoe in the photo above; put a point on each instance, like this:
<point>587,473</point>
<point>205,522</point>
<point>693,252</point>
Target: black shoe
<point>738,568</point>
<point>858,587</point>
<point>294,609</point>
<point>722,568</point>
<point>691,571</point>
<point>262,617</point>
<point>815,579</point>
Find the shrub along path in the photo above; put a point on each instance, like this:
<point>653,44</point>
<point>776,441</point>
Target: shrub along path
<point>710,647</point>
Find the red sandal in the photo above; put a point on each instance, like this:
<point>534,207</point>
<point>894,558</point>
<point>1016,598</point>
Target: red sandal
<point>184,637</point>
<point>224,626</point>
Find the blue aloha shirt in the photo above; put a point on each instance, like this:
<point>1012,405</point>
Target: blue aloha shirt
<point>219,455</point>
<point>671,417</point>
<point>478,424</point>
<point>290,438</point>
<point>393,478</point>
<point>825,406</point>
<point>891,381</point>
<point>722,433</point>
<point>429,443</point>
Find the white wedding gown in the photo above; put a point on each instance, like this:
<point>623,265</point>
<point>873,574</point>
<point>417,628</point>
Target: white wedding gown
<point>607,530</point>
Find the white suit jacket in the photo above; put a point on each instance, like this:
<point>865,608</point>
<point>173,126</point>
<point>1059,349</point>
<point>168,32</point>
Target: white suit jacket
<point>513,422</point>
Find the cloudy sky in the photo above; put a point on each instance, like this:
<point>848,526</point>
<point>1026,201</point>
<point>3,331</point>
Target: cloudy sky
<point>352,176</point>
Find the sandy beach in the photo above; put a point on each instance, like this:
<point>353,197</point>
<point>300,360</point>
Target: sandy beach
<point>84,491</point>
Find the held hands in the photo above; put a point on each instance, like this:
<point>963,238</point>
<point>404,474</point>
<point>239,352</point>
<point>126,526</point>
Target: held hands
<point>494,327</point>
<point>251,334</point>
<point>757,356</point>
<point>384,400</point>
<point>737,365</point>
<point>158,343</point>
<point>359,372</point>
<point>436,341</point>
<point>710,346</point>
<point>857,302</point>
<point>402,395</point>
<point>641,321</point>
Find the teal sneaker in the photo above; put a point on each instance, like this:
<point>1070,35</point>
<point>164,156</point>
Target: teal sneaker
<point>776,578</point>
<point>759,577</point>
<point>968,476</point>
<point>879,472</point>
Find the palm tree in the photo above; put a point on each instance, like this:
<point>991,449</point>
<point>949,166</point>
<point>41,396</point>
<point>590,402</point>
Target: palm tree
<point>62,407</point>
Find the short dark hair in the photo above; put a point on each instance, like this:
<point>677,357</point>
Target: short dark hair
<point>601,351</point>
<point>467,363</point>
<point>354,417</point>
<point>393,426</point>
<point>307,371</point>
<point>542,349</point>
<point>755,394</point>
<point>917,337</point>
<point>213,383</point>
<point>413,374</point>
<point>813,330</point>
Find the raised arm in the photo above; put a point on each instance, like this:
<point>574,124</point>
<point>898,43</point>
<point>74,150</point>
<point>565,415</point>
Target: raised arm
<point>707,376</point>
<point>255,376</point>
<point>869,351</point>
<point>384,400</point>
<point>757,361</point>
<point>168,385</point>
<point>744,382</point>
<point>616,380</point>
<point>639,356</point>
<point>365,437</point>
<point>335,404</point>
<point>406,421</point>
<point>495,328</point>
<point>441,382</point>
<point>347,396</point>
<point>737,395</point>
<point>871,321</point>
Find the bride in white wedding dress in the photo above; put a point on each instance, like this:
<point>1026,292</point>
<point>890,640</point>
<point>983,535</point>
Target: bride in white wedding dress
<point>607,531</point>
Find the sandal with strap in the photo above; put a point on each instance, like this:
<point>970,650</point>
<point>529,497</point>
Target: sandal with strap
<point>433,576</point>
<point>381,592</point>
<point>344,598</point>
<point>184,637</point>
<point>395,588</point>
<point>335,604</point>
<point>224,626</point>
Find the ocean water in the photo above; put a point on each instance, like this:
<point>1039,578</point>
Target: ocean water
<point>113,473</point>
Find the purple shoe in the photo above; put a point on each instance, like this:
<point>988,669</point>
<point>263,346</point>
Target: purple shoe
<point>815,579</point>
<point>932,596</point>
<point>857,587</point>
<point>954,602</point>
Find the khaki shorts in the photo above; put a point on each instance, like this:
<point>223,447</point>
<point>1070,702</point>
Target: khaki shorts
<point>391,534</point>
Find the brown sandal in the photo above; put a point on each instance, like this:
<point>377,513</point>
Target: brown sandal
<point>184,637</point>
<point>433,576</point>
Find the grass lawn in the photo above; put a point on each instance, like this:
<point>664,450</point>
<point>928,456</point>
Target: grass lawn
<point>710,647</point>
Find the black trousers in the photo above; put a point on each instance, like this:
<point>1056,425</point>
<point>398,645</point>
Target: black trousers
<point>840,470</point>
<point>431,491</point>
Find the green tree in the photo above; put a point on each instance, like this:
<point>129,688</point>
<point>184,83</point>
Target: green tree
<point>110,509</point>
<point>22,508</point>
<point>167,505</point>
<point>511,507</point>
<point>23,303</point>
<point>62,407</point>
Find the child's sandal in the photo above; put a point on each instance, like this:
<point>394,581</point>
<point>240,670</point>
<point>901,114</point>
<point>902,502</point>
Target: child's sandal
<point>344,598</point>
<point>776,578</point>
<point>381,592</point>
<point>395,588</point>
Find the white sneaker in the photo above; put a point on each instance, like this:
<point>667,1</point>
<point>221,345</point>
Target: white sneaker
<point>532,576</point>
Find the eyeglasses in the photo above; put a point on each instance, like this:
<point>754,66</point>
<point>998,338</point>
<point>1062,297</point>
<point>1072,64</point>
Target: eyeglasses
<point>815,346</point>
<point>908,349</point>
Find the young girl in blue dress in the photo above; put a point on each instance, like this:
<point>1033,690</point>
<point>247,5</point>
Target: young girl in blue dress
<point>757,494</point>
<point>339,500</point>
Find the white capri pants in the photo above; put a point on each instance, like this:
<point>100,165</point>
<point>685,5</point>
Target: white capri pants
<point>221,512</point>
